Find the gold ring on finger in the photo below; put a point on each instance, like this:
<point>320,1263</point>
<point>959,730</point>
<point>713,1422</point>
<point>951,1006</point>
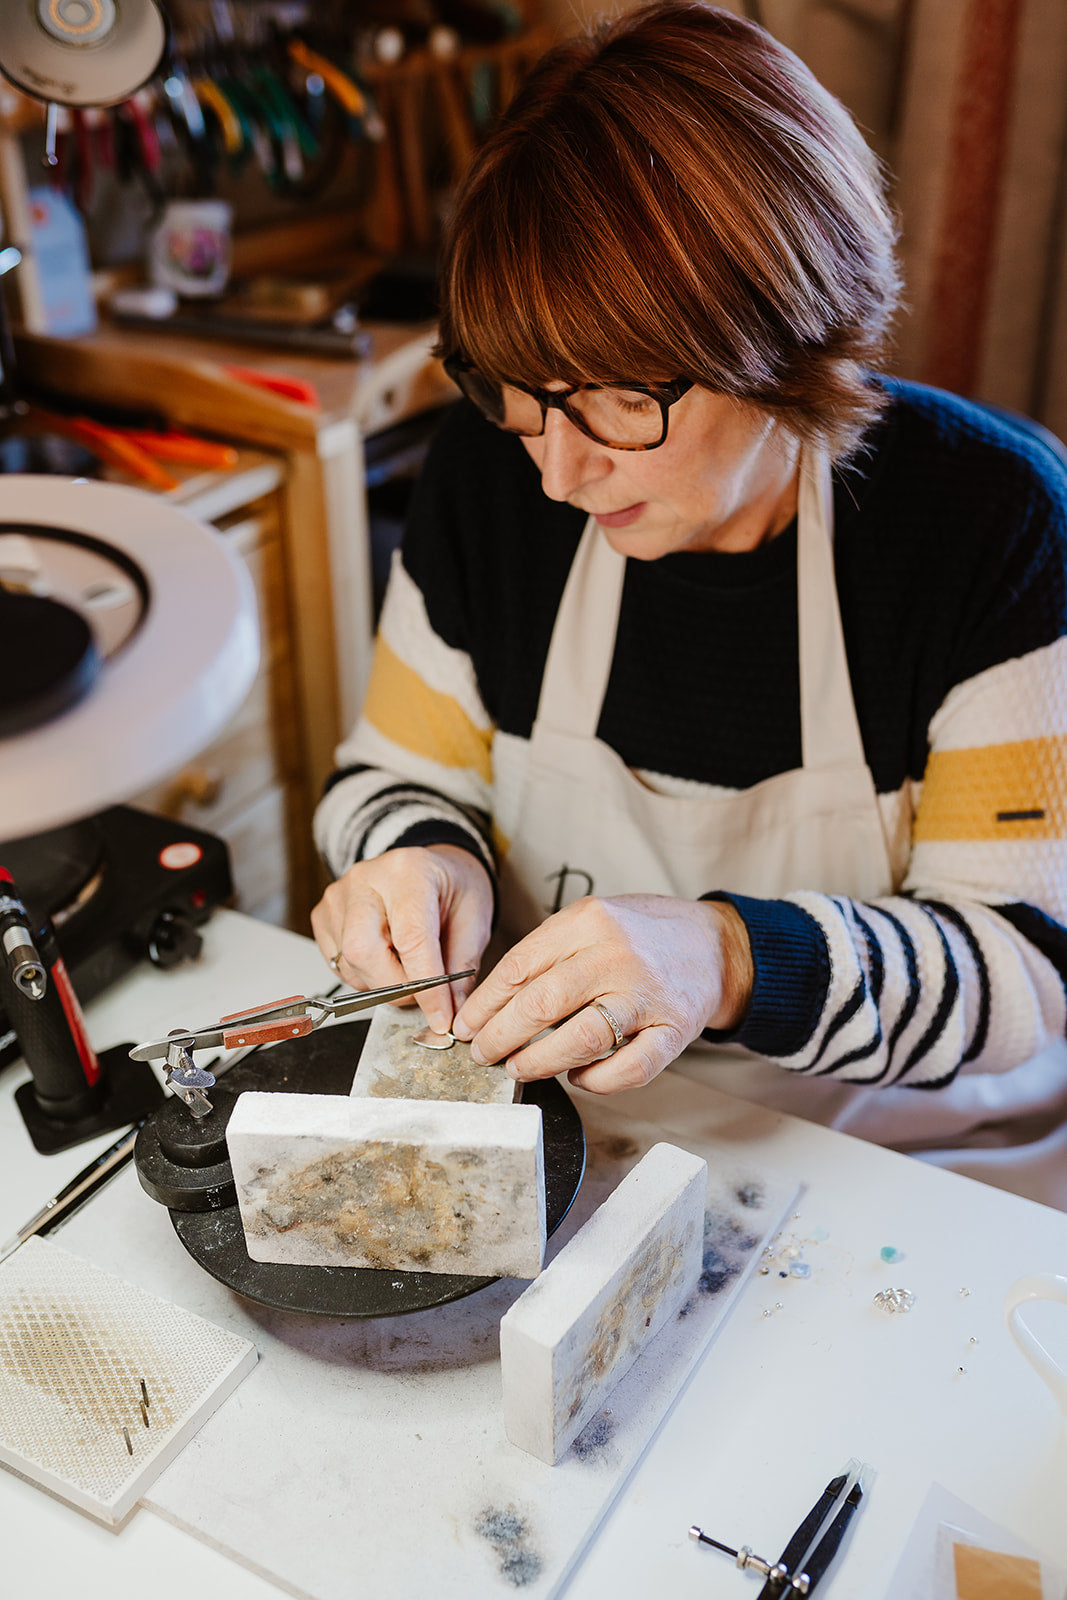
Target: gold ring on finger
<point>612,1022</point>
<point>335,963</point>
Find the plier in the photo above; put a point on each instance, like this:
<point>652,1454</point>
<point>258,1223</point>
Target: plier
<point>291,1018</point>
<point>139,451</point>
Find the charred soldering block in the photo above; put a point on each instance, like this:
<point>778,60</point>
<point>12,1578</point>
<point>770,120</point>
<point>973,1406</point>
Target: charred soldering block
<point>395,1065</point>
<point>409,1185</point>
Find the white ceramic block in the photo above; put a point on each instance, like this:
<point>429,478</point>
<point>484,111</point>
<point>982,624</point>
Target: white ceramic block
<point>571,1336</point>
<point>410,1185</point>
<point>392,1066</point>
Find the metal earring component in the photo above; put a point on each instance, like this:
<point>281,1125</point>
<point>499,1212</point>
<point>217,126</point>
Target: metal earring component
<point>334,964</point>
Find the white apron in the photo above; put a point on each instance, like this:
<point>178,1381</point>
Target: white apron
<point>587,824</point>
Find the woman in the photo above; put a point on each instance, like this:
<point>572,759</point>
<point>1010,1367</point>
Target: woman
<point>728,677</point>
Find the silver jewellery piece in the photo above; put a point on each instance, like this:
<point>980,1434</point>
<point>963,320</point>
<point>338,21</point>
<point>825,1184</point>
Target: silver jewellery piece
<point>894,1300</point>
<point>612,1022</point>
<point>334,964</point>
<point>433,1041</point>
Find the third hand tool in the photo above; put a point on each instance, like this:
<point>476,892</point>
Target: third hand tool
<point>291,1018</point>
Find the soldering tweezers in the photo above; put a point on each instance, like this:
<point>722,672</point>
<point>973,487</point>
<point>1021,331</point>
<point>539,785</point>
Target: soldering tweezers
<point>816,1541</point>
<point>284,1019</point>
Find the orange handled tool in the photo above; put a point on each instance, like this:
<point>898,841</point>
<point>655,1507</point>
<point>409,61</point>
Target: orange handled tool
<point>183,447</point>
<point>278,383</point>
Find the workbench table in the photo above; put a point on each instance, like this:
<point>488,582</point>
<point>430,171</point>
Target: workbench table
<point>805,1374</point>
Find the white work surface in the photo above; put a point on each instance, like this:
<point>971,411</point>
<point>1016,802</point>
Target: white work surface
<point>776,1407</point>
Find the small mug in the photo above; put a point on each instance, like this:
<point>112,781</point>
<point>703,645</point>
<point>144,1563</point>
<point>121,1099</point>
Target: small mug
<point>189,251</point>
<point>1037,1286</point>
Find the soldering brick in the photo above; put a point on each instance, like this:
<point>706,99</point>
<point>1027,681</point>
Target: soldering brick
<point>393,1066</point>
<point>571,1336</point>
<point>408,1185</point>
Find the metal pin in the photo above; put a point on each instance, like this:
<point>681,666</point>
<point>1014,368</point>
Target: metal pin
<point>703,1538</point>
<point>129,1442</point>
<point>774,1572</point>
<point>144,1415</point>
<point>144,1393</point>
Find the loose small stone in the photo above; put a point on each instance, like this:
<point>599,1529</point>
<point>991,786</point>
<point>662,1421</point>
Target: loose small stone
<point>891,1254</point>
<point>800,1269</point>
<point>964,1293</point>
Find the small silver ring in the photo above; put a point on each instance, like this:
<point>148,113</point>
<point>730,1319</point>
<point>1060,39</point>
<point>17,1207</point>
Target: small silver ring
<point>612,1022</point>
<point>335,963</point>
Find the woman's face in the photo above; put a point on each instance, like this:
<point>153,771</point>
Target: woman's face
<point>725,478</point>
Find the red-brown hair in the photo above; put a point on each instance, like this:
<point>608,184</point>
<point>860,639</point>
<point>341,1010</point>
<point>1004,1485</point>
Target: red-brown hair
<point>677,196</point>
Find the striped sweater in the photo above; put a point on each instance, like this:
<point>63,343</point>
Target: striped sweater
<point>950,546</point>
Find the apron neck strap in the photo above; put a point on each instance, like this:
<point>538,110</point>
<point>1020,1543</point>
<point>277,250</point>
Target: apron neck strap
<point>830,732</point>
<point>583,639</point>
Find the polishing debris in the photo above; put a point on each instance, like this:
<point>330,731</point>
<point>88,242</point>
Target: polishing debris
<point>409,1185</point>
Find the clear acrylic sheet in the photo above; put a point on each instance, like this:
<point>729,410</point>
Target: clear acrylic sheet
<point>928,1567</point>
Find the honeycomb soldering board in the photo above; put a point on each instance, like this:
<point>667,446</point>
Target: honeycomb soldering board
<point>101,1385</point>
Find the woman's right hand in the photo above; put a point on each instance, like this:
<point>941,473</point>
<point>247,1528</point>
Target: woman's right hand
<point>411,913</point>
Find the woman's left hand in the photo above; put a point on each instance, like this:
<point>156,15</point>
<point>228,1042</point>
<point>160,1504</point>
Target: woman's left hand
<point>665,969</point>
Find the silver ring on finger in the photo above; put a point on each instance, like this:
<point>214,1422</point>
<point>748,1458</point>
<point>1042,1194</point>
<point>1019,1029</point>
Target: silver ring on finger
<point>335,963</point>
<point>612,1022</point>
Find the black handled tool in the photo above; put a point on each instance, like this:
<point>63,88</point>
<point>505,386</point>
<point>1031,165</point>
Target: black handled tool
<point>813,1546</point>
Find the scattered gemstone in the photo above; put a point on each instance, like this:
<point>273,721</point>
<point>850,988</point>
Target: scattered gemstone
<point>891,1254</point>
<point>799,1269</point>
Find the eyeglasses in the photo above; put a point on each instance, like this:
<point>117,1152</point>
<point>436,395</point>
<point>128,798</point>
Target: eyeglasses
<point>630,416</point>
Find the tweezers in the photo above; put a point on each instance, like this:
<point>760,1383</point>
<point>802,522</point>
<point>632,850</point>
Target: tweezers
<point>818,1538</point>
<point>291,1018</point>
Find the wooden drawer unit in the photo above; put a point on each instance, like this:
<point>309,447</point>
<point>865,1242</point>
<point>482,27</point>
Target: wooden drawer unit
<point>247,785</point>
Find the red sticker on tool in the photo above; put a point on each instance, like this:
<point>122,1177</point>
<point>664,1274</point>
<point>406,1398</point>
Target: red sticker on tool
<point>176,857</point>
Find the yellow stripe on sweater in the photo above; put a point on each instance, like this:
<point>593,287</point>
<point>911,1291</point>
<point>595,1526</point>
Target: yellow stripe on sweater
<point>1000,791</point>
<point>420,719</point>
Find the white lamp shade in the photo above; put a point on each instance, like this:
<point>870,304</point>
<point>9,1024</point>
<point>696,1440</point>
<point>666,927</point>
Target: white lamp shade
<point>167,691</point>
<point>80,52</point>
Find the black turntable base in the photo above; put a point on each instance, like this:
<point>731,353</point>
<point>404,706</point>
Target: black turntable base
<point>182,1162</point>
